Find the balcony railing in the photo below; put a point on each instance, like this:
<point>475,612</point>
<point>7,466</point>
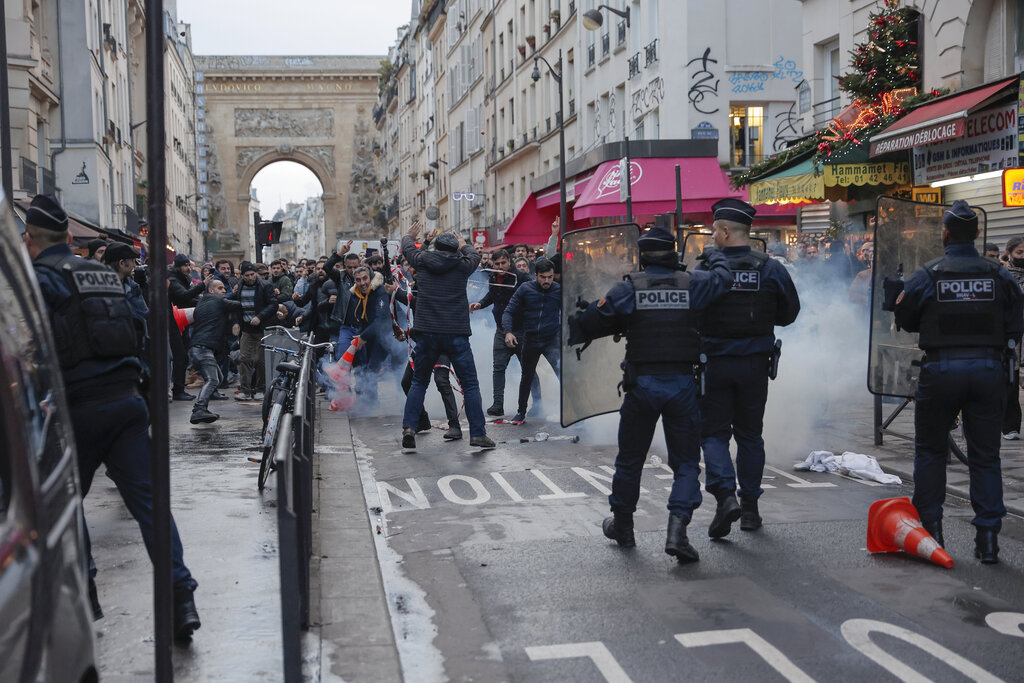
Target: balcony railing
<point>590,55</point>
<point>547,124</point>
<point>825,111</point>
<point>606,43</point>
<point>634,65</point>
<point>620,32</point>
<point>572,108</point>
<point>651,53</point>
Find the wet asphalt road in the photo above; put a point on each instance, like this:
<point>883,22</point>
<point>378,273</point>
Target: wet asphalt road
<point>512,579</point>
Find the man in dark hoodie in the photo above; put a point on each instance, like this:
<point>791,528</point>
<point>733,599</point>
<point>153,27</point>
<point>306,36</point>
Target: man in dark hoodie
<point>209,332</point>
<point>183,294</point>
<point>442,327</point>
<point>259,304</point>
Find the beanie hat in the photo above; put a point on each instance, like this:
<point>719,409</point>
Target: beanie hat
<point>181,260</point>
<point>246,267</point>
<point>446,241</point>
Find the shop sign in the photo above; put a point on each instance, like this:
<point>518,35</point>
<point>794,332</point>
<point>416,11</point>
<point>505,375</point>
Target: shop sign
<point>798,188</point>
<point>479,238</point>
<point>704,131</point>
<point>927,194</point>
<point>1013,187</point>
<point>989,143</point>
<point>917,138</point>
<point>866,174</point>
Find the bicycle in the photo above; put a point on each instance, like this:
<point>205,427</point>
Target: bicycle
<point>280,398</point>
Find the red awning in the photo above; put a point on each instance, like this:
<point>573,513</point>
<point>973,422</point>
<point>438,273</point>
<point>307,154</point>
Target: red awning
<point>573,188</point>
<point>531,224</point>
<point>654,189</point>
<point>936,121</point>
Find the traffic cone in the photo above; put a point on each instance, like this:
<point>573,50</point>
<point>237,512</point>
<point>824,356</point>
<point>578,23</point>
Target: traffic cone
<point>893,525</point>
<point>182,317</point>
<point>350,354</point>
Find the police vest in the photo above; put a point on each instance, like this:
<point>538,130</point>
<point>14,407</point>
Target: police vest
<point>662,329</point>
<point>95,322</point>
<point>967,307</point>
<point>748,308</point>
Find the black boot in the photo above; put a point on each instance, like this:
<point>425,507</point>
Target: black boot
<point>496,410</point>
<point>409,438</point>
<point>94,601</point>
<point>620,529</point>
<point>186,617</point>
<point>676,542</point>
<point>935,529</point>
<point>454,432</point>
<point>728,511</point>
<point>986,545</point>
<point>750,520</point>
<point>201,415</point>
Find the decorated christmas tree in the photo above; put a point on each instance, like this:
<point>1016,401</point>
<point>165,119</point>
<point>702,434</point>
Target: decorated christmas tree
<point>888,60</point>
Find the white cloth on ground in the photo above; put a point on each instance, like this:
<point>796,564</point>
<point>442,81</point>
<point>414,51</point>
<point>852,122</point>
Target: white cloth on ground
<point>852,464</point>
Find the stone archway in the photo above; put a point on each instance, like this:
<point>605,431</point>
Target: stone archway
<point>312,110</point>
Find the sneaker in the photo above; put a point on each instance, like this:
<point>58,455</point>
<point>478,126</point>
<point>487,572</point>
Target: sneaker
<point>496,410</point>
<point>242,396</point>
<point>1012,436</point>
<point>408,438</point>
<point>485,442</point>
<point>202,415</point>
<point>258,396</point>
<point>519,418</point>
<point>217,396</point>
<point>454,433</point>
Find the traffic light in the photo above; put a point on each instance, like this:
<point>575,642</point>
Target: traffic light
<point>268,232</point>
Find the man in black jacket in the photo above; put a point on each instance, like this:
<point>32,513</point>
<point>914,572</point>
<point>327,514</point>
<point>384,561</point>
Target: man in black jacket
<point>183,294</point>
<point>342,309</point>
<point>502,286</point>
<point>442,327</point>
<point>209,332</point>
<point>259,304</point>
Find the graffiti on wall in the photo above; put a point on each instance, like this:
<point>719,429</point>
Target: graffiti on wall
<point>743,82</point>
<point>788,127</point>
<point>704,83</point>
<point>648,97</point>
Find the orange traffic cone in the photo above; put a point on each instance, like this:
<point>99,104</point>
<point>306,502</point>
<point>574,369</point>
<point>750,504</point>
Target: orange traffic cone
<point>893,525</point>
<point>182,317</point>
<point>350,354</point>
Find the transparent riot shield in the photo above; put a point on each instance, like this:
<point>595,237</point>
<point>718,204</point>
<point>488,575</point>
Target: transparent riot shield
<point>908,234</point>
<point>693,243</point>
<point>593,261</point>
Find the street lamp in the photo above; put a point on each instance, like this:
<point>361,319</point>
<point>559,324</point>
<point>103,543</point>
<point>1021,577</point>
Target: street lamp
<point>592,19</point>
<point>563,219</point>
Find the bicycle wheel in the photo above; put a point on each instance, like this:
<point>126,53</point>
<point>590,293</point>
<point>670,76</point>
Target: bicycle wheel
<point>270,437</point>
<point>957,441</point>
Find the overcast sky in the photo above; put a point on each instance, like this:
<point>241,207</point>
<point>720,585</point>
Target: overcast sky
<point>291,27</point>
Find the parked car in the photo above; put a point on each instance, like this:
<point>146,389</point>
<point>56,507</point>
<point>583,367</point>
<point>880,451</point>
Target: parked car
<point>46,631</point>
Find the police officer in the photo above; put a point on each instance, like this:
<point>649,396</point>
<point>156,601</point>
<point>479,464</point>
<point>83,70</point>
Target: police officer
<point>101,376</point>
<point>657,311</point>
<point>739,340</point>
<point>965,309</point>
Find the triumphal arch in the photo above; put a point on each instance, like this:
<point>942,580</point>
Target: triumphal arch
<point>316,111</point>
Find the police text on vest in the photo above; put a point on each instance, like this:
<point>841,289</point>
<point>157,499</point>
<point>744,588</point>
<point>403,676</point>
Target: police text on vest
<point>656,299</point>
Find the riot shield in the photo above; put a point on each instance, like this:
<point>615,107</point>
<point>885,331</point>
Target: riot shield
<point>593,261</point>
<point>908,234</point>
<point>693,244</point>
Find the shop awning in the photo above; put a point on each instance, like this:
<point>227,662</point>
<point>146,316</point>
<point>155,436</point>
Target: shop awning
<point>531,224</point>
<point>81,234</point>
<point>942,119</point>
<point>653,188</point>
<point>574,187</point>
<point>804,183</point>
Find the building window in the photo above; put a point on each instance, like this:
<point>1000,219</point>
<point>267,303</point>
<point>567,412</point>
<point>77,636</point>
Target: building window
<point>746,144</point>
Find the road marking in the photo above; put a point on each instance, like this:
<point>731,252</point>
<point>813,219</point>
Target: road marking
<point>507,488</point>
<point>1007,623</point>
<point>445,486</point>
<point>800,483</point>
<point>859,481</point>
<point>415,497</point>
<point>595,651</point>
<point>857,633</point>
<point>594,480</point>
<point>768,652</point>
<point>556,492</point>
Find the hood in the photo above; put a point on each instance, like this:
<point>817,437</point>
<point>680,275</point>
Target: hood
<point>376,281</point>
<point>440,262</point>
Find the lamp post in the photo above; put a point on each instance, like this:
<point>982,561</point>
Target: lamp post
<point>563,209</point>
<point>592,18</point>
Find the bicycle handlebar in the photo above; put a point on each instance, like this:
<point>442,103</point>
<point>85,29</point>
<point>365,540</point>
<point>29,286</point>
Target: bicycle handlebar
<point>288,333</point>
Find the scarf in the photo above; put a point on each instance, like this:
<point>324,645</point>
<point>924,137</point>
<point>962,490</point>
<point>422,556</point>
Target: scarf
<point>363,301</point>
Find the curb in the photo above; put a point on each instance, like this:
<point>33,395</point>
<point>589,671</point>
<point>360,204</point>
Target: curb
<point>951,490</point>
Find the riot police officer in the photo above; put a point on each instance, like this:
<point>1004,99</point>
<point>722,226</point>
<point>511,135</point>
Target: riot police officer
<point>965,309</point>
<point>657,310</point>
<point>95,341</point>
<point>739,340</point>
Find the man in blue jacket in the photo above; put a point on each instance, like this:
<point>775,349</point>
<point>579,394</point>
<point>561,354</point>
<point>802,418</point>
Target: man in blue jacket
<point>539,302</point>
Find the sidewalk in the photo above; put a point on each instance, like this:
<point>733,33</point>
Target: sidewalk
<point>854,431</point>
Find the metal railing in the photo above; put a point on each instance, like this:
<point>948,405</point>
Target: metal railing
<point>651,53</point>
<point>606,42</point>
<point>620,32</point>
<point>825,111</point>
<point>634,65</point>
<point>293,458</point>
<point>590,55</point>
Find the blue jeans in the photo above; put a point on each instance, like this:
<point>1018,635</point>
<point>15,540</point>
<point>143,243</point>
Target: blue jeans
<point>115,433</point>
<point>976,388</point>
<point>733,407</point>
<point>429,347</point>
<point>673,398</point>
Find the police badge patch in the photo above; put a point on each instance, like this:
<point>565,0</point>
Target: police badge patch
<point>661,299</point>
<point>966,289</point>
<point>97,282</point>
<point>746,281</point>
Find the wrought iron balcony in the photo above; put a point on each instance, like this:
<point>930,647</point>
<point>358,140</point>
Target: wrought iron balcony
<point>651,53</point>
<point>590,55</point>
<point>634,65</point>
<point>606,42</point>
<point>620,32</point>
